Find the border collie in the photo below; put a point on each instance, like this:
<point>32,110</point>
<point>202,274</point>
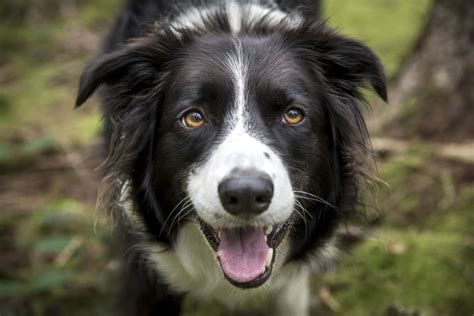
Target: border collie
<point>235,146</point>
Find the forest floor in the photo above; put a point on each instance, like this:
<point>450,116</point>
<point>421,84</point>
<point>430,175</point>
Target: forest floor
<point>416,252</point>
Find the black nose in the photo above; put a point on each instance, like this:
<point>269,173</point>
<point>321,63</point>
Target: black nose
<point>246,193</point>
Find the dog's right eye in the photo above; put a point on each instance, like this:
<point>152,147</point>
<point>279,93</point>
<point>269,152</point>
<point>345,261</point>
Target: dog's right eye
<point>193,119</point>
<point>293,116</point>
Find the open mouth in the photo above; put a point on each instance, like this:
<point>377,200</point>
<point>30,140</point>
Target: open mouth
<point>246,254</point>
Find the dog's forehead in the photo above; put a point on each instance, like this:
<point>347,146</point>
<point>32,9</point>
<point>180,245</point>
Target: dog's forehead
<point>218,62</point>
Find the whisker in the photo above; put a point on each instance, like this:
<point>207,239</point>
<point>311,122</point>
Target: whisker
<point>303,208</point>
<point>186,208</point>
<point>312,197</point>
<point>303,217</point>
<point>185,200</point>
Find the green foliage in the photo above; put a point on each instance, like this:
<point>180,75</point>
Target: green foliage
<point>65,259</point>
<point>11,288</point>
<point>427,274</point>
<point>39,84</point>
<point>16,155</point>
<point>390,27</point>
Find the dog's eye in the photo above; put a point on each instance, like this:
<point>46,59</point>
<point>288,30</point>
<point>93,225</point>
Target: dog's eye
<point>293,116</point>
<point>193,119</point>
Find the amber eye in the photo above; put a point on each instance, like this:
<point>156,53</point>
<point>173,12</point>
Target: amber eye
<point>193,119</point>
<point>293,116</point>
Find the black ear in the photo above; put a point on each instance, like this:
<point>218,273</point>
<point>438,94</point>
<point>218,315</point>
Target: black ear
<point>347,64</point>
<point>142,57</point>
<point>350,64</point>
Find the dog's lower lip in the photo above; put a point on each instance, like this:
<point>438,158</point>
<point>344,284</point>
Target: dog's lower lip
<point>262,278</point>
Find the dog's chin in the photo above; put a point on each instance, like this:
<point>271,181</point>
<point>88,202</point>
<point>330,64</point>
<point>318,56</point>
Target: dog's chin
<point>246,254</point>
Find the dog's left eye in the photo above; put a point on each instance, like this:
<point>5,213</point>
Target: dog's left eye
<point>293,116</point>
<point>193,119</point>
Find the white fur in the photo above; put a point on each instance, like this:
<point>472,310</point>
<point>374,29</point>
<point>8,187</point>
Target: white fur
<point>195,18</point>
<point>238,68</point>
<point>293,297</point>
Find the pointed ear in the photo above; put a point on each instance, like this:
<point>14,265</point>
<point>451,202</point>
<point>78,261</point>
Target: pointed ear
<point>136,57</point>
<point>350,64</point>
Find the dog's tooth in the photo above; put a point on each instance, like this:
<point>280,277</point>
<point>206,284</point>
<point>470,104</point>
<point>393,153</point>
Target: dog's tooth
<point>268,230</point>
<point>268,263</point>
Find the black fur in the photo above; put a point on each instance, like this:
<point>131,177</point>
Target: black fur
<point>147,73</point>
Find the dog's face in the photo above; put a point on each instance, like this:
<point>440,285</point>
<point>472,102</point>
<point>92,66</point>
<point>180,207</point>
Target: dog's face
<point>251,137</point>
<point>248,130</point>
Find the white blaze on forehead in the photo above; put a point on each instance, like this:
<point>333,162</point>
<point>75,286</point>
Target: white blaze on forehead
<point>238,68</point>
<point>234,15</point>
<point>237,14</point>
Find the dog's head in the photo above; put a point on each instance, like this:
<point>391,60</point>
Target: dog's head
<point>256,136</point>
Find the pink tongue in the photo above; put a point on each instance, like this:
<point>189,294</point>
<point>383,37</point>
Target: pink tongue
<point>243,253</point>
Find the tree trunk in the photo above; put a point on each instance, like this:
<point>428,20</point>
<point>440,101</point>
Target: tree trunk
<point>433,93</point>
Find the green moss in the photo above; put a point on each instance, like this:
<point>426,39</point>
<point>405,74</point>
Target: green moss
<point>459,218</point>
<point>34,42</point>
<point>420,188</point>
<point>92,12</point>
<point>428,274</point>
<point>400,166</point>
<point>85,129</point>
<point>80,277</point>
<point>40,83</point>
<point>32,94</point>
<point>397,199</point>
<point>390,27</point>
<point>421,257</point>
<point>17,155</point>
<point>42,101</point>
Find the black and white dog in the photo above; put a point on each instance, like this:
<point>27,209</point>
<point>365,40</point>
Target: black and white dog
<point>235,147</point>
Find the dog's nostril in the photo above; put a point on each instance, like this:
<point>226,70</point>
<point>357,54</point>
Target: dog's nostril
<point>260,199</point>
<point>246,193</point>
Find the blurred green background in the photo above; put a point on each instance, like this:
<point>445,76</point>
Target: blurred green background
<point>55,250</point>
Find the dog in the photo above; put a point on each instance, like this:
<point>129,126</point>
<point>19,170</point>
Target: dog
<point>235,148</point>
